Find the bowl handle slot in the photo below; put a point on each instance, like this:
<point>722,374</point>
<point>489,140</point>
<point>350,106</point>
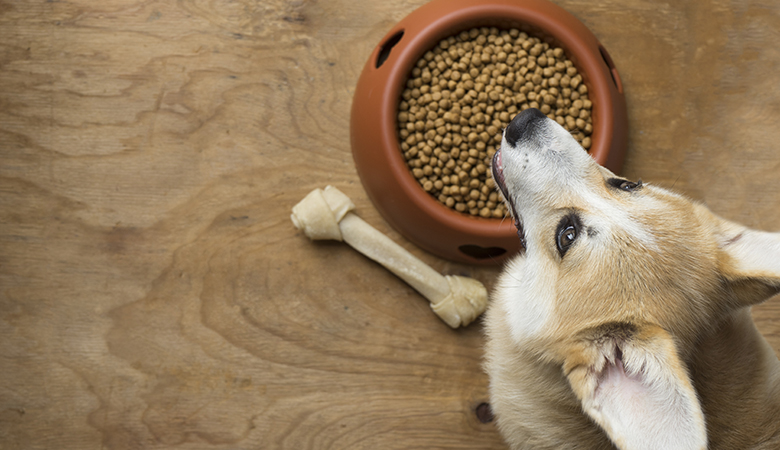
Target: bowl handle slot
<point>612,70</point>
<point>479,252</point>
<point>387,47</point>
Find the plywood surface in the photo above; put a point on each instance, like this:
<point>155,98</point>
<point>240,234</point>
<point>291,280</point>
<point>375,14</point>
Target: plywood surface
<point>153,291</point>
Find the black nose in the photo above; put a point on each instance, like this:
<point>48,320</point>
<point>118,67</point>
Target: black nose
<point>520,125</point>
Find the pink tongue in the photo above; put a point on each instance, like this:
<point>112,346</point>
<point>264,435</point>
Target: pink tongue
<point>499,168</point>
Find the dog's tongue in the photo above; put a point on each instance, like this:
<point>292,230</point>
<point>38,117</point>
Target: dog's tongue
<point>498,176</point>
<point>498,172</point>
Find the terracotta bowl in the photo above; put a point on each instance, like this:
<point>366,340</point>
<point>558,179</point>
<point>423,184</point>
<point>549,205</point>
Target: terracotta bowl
<point>375,147</point>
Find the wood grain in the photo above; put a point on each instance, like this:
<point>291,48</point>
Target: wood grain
<point>153,292</point>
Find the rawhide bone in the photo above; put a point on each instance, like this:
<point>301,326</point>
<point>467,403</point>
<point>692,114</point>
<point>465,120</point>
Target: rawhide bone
<point>325,214</point>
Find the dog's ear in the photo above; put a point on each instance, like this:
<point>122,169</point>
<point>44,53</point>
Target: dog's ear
<point>749,261</point>
<point>632,383</point>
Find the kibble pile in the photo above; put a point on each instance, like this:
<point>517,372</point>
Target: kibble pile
<point>463,93</point>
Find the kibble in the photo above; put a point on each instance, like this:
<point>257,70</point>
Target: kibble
<point>461,95</point>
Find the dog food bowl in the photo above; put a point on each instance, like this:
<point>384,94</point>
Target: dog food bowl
<point>373,128</point>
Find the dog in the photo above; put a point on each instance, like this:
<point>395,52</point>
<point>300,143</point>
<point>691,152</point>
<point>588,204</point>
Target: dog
<point>625,320</point>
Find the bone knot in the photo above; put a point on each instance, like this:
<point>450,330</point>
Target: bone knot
<point>466,301</point>
<point>319,213</point>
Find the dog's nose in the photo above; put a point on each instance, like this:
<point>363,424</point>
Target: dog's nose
<point>520,125</point>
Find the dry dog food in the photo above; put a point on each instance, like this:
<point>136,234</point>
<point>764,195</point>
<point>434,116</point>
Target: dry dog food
<point>463,93</point>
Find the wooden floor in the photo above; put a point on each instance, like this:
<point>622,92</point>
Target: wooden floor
<point>153,291</point>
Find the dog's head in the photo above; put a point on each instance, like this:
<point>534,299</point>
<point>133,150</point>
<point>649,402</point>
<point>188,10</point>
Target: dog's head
<point>618,280</point>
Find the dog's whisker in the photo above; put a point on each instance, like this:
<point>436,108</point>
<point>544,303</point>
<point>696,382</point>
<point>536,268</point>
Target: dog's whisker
<point>503,218</point>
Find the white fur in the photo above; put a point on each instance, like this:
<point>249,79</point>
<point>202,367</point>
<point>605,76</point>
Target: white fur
<point>529,315</point>
<point>756,252</point>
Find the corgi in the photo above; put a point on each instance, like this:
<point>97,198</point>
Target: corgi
<point>625,320</point>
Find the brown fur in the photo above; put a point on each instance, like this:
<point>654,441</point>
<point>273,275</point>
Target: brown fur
<point>655,292</point>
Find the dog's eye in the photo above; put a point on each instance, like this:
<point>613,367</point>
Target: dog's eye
<point>624,185</point>
<point>568,229</point>
<point>630,185</point>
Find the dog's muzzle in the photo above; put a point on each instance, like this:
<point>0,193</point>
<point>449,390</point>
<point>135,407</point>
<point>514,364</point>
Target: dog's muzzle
<point>520,127</point>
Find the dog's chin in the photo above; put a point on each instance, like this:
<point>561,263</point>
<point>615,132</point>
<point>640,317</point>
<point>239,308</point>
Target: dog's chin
<point>498,177</point>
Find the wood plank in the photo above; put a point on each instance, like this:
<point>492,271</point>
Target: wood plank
<point>153,292</point>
